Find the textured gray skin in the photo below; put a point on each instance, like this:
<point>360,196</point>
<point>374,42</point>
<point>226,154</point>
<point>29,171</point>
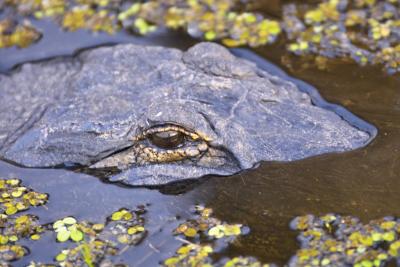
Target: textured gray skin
<point>86,110</point>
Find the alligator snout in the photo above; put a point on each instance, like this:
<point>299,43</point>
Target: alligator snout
<point>161,115</point>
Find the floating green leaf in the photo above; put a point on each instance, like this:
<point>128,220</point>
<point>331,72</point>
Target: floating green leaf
<point>61,257</point>
<point>69,220</point>
<point>63,235</point>
<point>35,237</point>
<point>76,235</point>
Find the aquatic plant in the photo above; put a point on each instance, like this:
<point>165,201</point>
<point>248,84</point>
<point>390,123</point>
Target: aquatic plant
<point>128,226</point>
<point>201,233</point>
<point>14,198</point>
<point>97,242</point>
<point>335,240</point>
<point>92,242</point>
<point>21,35</point>
<point>365,32</point>
<point>209,20</point>
<point>89,253</point>
<point>68,228</point>
<point>329,240</point>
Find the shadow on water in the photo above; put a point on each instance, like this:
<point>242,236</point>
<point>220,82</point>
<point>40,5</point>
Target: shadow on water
<point>363,183</point>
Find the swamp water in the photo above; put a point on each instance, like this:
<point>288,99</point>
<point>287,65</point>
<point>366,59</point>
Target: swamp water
<point>362,183</point>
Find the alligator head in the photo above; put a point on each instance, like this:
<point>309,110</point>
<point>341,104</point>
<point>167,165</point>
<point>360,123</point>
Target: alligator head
<point>161,115</point>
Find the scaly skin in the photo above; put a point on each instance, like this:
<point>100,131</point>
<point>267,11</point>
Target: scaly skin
<point>161,115</point>
<point>143,152</point>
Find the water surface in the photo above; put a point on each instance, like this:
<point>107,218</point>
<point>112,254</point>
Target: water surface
<point>363,183</point>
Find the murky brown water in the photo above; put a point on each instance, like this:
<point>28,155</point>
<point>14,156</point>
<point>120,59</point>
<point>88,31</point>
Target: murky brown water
<point>363,183</point>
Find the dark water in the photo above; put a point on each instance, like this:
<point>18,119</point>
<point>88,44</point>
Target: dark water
<point>363,183</point>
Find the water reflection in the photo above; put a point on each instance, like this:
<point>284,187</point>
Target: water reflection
<point>363,183</point>
<point>87,198</point>
<point>57,42</point>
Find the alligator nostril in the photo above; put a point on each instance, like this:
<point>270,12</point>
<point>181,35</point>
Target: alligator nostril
<point>167,139</point>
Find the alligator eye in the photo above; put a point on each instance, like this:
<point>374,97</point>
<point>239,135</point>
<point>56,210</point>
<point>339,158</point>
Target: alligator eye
<point>167,139</point>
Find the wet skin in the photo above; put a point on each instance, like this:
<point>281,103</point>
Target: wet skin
<point>162,115</point>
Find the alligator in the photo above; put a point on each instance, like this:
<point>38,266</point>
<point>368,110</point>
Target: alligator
<point>160,115</point>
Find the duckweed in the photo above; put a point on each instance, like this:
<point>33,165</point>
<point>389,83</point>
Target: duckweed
<point>97,242</point>
<point>83,17</point>
<point>21,35</point>
<point>246,262</point>
<point>199,248</point>
<point>68,228</point>
<point>343,240</point>
<point>209,20</point>
<point>122,214</point>
<point>93,241</point>
<point>12,252</point>
<point>220,231</point>
<point>365,32</point>
<point>15,198</point>
<point>204,226</point>
<point>329,240</point>
<point>128,225</point>
<point>191,254</point>
<point>91,253</point>
<point>24,226</point>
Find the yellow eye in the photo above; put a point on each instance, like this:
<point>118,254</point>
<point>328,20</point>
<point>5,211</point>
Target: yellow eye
<point>168,143</point>
<point>167,139</point>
